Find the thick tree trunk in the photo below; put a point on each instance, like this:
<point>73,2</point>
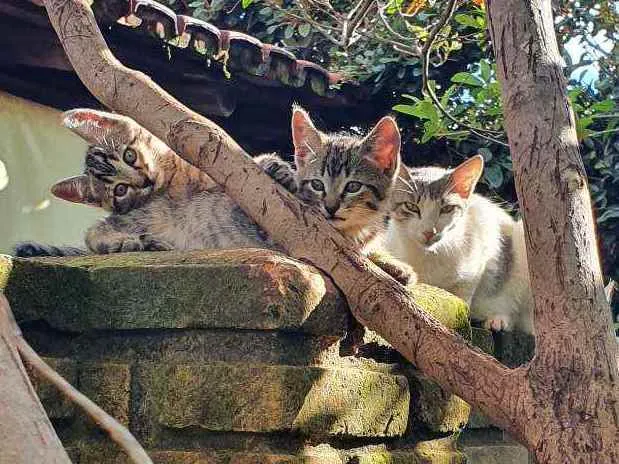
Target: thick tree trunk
<point>573,377</point>
<point>569,392</point>
<point>26,435</point>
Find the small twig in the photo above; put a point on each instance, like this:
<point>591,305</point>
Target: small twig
<point>427,90</point>
<point>607,131</point>
<point>354,19</point>
<point>323,29</point>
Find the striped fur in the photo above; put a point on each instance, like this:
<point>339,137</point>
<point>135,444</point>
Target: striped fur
<point>159,202</point>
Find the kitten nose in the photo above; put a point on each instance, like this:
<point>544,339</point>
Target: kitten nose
<point>331,210</point>
<point>428,234</point>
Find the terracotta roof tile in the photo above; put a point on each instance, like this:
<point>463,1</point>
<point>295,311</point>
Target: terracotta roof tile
<point>238,51</point>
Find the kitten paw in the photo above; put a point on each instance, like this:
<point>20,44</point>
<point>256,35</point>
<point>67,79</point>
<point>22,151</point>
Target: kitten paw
<point>152,244</point>
<point>117,244</point>
<point>279,170</point>
<point>497,324</point>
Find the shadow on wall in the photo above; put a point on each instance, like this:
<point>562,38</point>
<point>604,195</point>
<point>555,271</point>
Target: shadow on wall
<point>36,151</point>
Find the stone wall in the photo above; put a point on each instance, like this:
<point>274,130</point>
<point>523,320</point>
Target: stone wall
<point>235,357</point>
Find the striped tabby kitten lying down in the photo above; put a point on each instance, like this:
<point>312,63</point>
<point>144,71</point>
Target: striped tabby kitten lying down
<point>160,202</point>
<point>462,242</point>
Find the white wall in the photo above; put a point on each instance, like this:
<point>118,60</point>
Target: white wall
<point>37,151</point>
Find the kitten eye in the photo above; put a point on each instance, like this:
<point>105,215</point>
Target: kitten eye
<point>317,185</point>
<point>121,190</point>
<point>353,187</point>
<point>130,156</point>
<point>411,208</point>
<point>448,209</point>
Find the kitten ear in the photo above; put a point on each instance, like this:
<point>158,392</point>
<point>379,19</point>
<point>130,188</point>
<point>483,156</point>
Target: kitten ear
<point>383,145</point>
<point>93,126</point>
<point>465,176</point>
<point>306,138</point>
<point>76,189</point>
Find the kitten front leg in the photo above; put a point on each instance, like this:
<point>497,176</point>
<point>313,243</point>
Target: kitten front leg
<point>397,269</point>
<point>104,238</point>
<point>279,170</point>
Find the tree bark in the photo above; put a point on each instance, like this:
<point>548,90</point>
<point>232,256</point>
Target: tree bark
<point>517,400</point>
<point>573,377</point>
<point>26,434</point>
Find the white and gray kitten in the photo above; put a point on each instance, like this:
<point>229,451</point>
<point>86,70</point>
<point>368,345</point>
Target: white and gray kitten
<point>462,242</point>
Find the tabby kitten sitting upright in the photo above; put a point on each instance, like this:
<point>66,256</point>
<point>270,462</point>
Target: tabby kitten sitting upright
<point>462,242</point>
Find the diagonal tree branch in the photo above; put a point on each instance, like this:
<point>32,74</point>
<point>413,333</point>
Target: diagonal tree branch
<point>376,300</point>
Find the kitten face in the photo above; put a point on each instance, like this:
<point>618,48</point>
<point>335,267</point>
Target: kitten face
<point>121,171</point>
<point>349,179</point>
<point>428,204</point>
<point>127,173</point>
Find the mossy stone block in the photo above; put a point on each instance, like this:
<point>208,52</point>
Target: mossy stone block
<point>497,454</point>
<point>108,385</point>
<point>245,289</point>
<point>257,398</point>
<point>446,308</point>
<point>56,405</point>
<point>434,408</point>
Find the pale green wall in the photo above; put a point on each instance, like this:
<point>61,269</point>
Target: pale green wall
<point>37,151</point>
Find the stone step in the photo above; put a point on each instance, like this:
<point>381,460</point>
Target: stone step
<point>246,398</point>
<point>493,453</point>
<point>429,452</point>
<point>241,289</point>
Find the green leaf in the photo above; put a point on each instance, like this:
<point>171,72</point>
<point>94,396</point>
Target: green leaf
<point>468,79</point>
<point>484,69</point>
<point>604,106</point>
<point>466,20</point>
<point>423,110</point>
<point>246,3</point>
<point>447,95</point>
<point>289,32</point>
<point>494,176</point>
<point>430,128</point>
<point>196,4</point>
<point>486,153</point>
<point>304,29</point>
<point>581,127</point>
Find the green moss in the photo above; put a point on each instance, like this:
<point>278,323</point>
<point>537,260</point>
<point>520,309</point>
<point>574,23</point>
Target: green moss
<point>248,289</point>
<point>247,398</point>
<point>6,264</point>
<point>448,309</point>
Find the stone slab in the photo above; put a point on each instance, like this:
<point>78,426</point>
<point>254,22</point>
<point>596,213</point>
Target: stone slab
<point>431,452</point>
<point>244,289</point>
<point>109,386</point>
<point>55,404</point>
<point>254,398</point>
<point>433,408</point>
<point>497,454</point>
